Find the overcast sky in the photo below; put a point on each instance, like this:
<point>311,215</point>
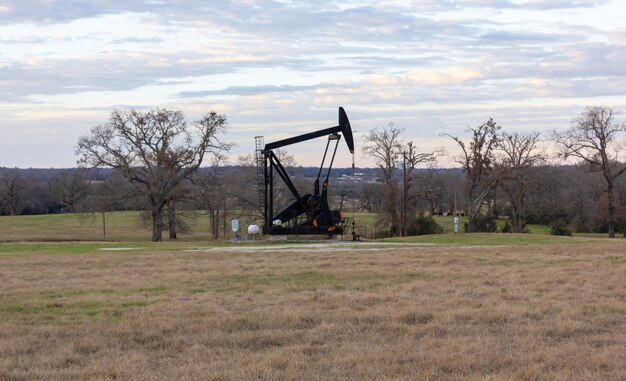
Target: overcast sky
<point>280,68</point>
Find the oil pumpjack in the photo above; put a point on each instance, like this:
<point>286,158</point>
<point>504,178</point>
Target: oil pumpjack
<point>308,213</point>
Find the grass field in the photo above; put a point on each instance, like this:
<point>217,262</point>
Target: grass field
<point>118,226</point>
<point>470,307</point>
<point>129,226</point>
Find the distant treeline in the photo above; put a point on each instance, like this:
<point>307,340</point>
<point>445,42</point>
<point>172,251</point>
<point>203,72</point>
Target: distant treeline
<point>569,195</point>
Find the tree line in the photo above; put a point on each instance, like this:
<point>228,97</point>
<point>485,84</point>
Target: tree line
<point>156,161</point>
<point>511,175</point>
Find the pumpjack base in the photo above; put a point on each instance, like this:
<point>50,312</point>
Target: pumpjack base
<point>302,230</point>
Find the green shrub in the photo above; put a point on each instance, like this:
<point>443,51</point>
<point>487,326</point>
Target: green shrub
<point>482,224</point>
<point>383,232</point>
<point>506,228</point>
<point>424,224</point>
<point>560,228</point>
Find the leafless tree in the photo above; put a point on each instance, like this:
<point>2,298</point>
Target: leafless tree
<point>242,188</point>
<point>385,147</point>
<point>11,188</point>
<point>430,188</point>
<point>388,150</point>
<point>116,193</point>
<point>596,139</point>
<point>174,221</point>
<point>157,149</point>
<point>282,195</point>
<point>519,152</point>
<point>210,195</point>
<point>370,197</point>
<point>71,187</point>
<point>113,193</point>
<point>411,159</point>
<point>477,160</point>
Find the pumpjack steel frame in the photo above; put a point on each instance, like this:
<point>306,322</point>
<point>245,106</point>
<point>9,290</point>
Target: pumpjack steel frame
<point>308,213</point>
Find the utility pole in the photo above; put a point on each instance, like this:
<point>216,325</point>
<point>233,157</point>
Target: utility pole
<point>405,189</point>
<point>455,209</point>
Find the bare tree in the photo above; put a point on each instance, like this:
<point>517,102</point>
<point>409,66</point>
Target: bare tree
<point>411,159</point>
<point>519,152</point>
<point>11,188</point>
<point>112,193</point>
<point>430,188</point>
<point>210,196</point>
<point>71,187</point>
<point>157,149</point>
<point>596,139</point>
<point>385,147</point>
<point>174,220</point>
<point>282,195</point>
<point>389,151</point>
<point>477,161</point>
<point>370,197</point>
<point>242,188</point>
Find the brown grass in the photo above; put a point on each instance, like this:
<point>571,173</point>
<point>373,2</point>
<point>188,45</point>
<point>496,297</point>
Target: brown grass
<point>433,313</point>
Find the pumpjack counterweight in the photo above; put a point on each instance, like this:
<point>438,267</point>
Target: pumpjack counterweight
<point>307,213</point>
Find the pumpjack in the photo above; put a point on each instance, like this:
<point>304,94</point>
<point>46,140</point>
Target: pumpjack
<point>308,213</point>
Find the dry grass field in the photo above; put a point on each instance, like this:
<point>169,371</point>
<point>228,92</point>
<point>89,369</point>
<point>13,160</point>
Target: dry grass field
<point>554,311</point>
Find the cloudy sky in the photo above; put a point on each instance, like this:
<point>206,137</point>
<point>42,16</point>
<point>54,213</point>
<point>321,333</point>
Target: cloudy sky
<point>282,67</point>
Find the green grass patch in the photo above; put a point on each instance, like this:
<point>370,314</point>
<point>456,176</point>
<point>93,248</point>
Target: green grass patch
<point>292,281</point>
<point>305,281</point>
<point>197,290</point>
<point>537,229</point>
<point>155,290</point>
<point>605,310</point>
<point>43,248</point>
<point>93,310</point>
<point>115,226</point>
<point>63,305</point>
<point>81,248</point>
<point>68,309</point>
<point>490,239</point>
<point>615,259</point>
<point>137,303</point>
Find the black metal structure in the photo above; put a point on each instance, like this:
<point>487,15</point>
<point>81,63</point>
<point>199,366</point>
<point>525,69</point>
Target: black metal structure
<point>308,213</point>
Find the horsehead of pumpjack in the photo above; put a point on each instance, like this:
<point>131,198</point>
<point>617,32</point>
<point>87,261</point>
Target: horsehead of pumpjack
<point>308,213</point>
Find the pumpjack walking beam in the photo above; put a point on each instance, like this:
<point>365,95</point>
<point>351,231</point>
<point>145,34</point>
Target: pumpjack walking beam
<point>319,218</point>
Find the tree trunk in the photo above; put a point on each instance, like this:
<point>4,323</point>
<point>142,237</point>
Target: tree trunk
<point>431,207</point>
<point>518,225</point>
<point>157,224</point>
<point>470,215</point>
<point>171,219</point>
<point>215,224</point>
<point>12,203</point>
<point>393,209</point>
<point>611,197</point>
<point>224,227</point>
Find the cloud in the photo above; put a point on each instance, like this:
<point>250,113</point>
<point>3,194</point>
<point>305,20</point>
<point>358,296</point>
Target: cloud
<point>284,66</point>
<point>443,77</point>
<point>248,90</point>
<point>508,37</point>
<point>559,4</point>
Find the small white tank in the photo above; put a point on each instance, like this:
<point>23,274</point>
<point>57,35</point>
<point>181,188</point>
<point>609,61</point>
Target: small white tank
<point>253,229</point>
